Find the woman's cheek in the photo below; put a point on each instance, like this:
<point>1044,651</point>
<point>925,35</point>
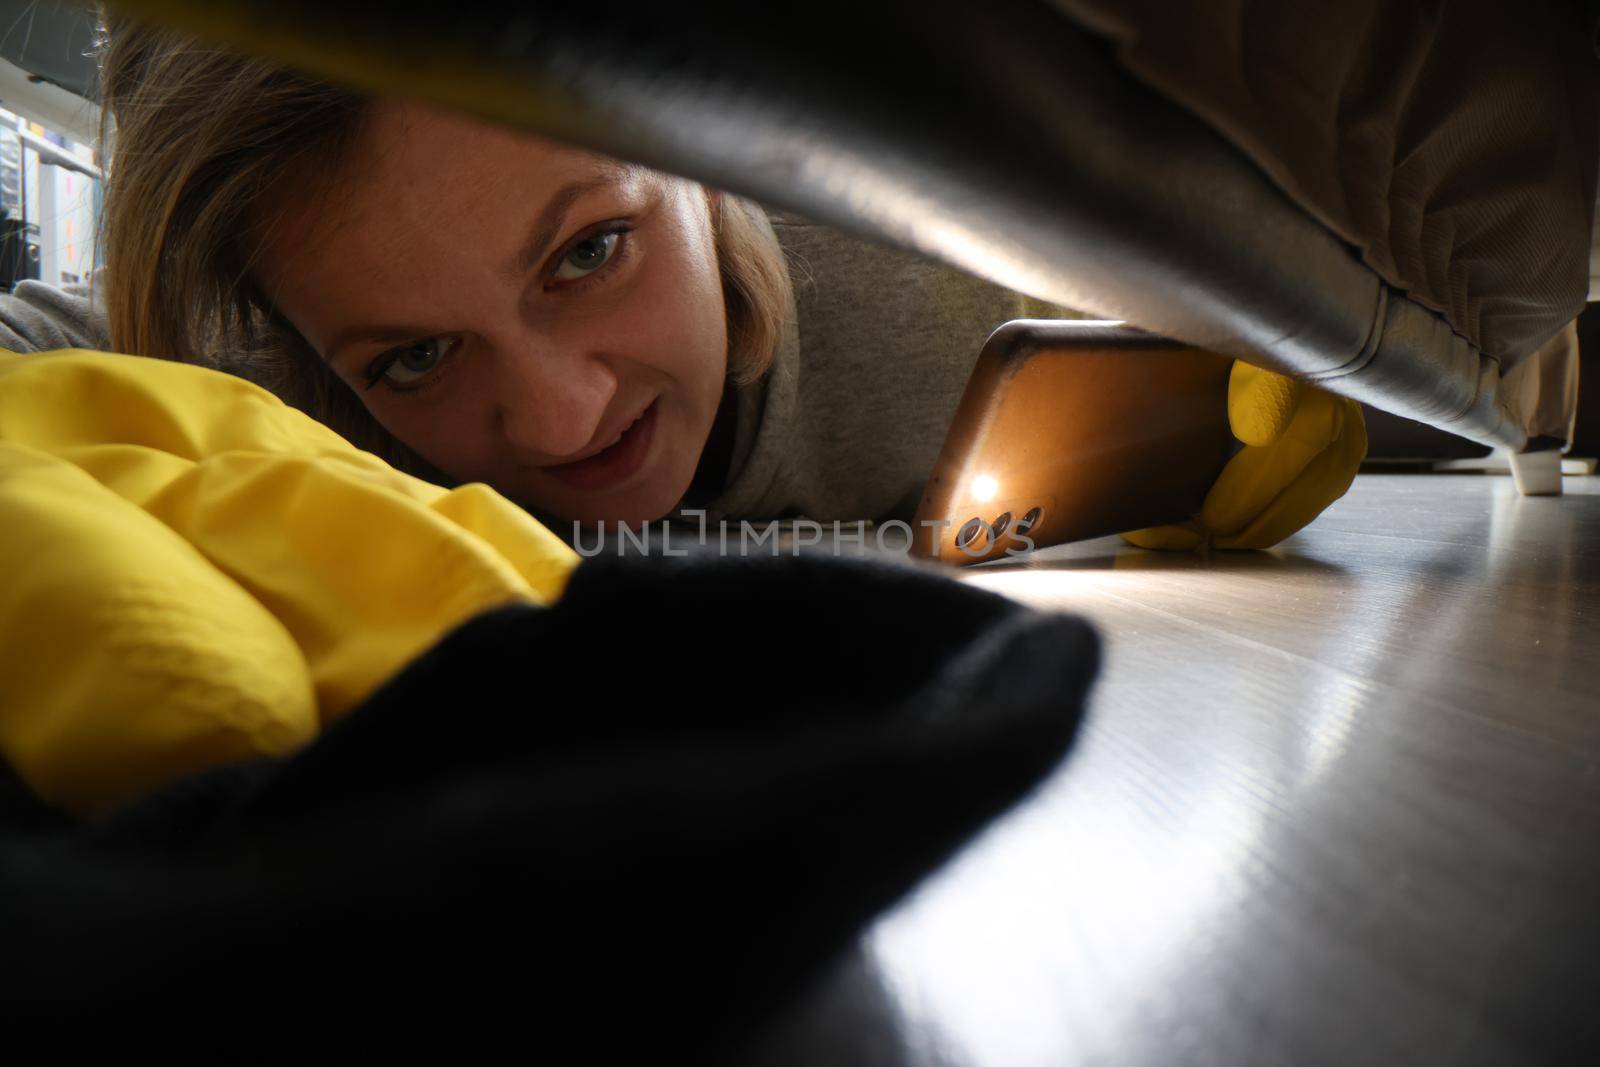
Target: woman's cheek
<point>685,304</point>
<point>649,320</point>
<point>443,436</point>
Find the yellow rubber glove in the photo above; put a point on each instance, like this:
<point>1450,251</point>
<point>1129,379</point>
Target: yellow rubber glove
<point>273,573</point>
<point>1302,447</point>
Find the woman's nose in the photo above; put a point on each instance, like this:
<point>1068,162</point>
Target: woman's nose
<point>550,404</point>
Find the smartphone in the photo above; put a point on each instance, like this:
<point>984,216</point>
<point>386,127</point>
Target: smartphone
<point>1070,430</point>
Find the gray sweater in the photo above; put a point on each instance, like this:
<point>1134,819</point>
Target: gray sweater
<point>37,318</point>
<point>845,425</point>
<point>849,421</point>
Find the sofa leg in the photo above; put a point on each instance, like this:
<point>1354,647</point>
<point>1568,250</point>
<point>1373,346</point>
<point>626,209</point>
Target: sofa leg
<point>1537,473</point>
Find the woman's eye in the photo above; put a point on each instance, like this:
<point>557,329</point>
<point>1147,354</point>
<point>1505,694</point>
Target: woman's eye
<point>587,256</point>
<point>410,364</point>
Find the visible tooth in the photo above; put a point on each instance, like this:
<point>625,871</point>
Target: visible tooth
<point>624,432</point>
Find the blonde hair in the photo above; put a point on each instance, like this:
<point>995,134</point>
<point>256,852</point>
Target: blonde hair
<point>196,135</point>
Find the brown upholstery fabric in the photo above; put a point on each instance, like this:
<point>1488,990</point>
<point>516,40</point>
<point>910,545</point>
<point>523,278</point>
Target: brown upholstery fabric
<point>1452,144</point>
<point>1541,392</point>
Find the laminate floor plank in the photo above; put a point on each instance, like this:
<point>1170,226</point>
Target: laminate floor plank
<point>1334,803</point>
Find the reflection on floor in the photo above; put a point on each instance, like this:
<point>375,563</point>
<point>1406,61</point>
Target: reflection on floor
<point>1334,803</point>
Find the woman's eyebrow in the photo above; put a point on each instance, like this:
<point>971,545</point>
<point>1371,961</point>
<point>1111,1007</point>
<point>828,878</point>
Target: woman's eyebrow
<point>547,227</point>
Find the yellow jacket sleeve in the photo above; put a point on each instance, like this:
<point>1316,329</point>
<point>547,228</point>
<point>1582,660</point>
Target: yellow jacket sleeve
<point>279,551</point>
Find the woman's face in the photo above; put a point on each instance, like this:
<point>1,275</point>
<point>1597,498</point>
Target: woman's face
<point>509,308</point>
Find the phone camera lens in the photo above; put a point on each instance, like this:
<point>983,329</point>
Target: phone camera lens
<point>1028,521</point>
<point>969,532</point>
<point>1002,524</point>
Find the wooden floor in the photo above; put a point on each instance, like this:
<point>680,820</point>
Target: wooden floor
<point>1338,803</point>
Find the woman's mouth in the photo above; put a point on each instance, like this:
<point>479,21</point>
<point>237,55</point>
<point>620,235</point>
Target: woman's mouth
<point>615,463</point>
